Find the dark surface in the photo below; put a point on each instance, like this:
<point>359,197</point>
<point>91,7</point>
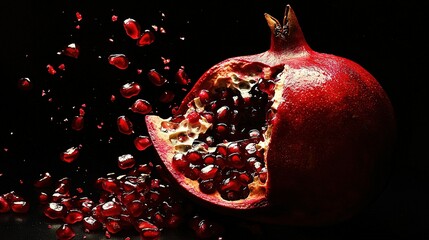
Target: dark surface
<point>385,38</point>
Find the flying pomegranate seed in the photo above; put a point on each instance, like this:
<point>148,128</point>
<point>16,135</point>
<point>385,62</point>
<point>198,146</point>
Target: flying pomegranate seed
<point>156,78</point>
<point>125,126</point>
<point>44,181</point>
<point>132,28</point>
<point>119,60</point>
<point>72,50</point>
<point>142,142</point>
<point>146,39</point>
<point>78,16</point>
<point>181,77</point>
<point>51,69</point>
<point>70,154</point>
<point>114,18</point>
<point>77,123</point>
<point>24,84</point>
<point>126,161</point>
<point>141,106</point>
<point>62,67</point>
<point>129,90</point>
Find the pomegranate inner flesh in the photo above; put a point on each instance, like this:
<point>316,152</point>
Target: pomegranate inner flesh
<point>221,139</point>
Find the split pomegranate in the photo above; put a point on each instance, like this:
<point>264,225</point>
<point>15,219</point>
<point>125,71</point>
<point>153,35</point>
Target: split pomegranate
<point>287,136</point>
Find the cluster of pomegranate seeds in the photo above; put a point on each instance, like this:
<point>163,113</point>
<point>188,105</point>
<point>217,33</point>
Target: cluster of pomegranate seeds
<point>136,200</point>
<point>12,202</point>
<point>231,164</point>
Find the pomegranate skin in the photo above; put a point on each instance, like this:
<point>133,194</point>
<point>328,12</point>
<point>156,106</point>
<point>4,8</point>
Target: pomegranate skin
<point>331,138</point>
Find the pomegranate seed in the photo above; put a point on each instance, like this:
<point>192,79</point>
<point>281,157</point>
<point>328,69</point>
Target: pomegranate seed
<point>4,205</point>
<point>263,174</point>
<point>181,77</point>
<point>208,116</point>
<point>209,172</point>
<point>110,208</point>
<point>207,186</point>
<point>126,161</point>
<point>135,208</point>
<point>113,225</point>
<point>204,96</point>
<point>124,125</point>
<point>193,156</point>
<point>254,133</point>
<point>156,78</point>
<point>44,181</point>
<point>132,28</point>
<point>72,50</point>
<point>193,172</point>
<point>70,155</point>
<point>233,147</point>
<point>221,129</point>
<point>209,159</point>
<point>73,216</point>
<point>77,123</point>
<point>43,198</point>
<point>24,84</point>
<point>222,114</point>
<point>51,70</point>
<point>20,206</point>
<point>55,211</point>
<point>130,90</point>
<point>193,117</point>
<point>91,223</point>
<point>146,39</point>
<point>119,60</point>
<point>142,142</point>
<point>141,106</point>
<point>180,163</point>
<point>65,232</point>
<point>110,185</point>
<point>147,230</point>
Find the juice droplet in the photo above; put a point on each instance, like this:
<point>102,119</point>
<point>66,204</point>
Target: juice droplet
<point>114,18</point>
<point>129,90</point>
<point>156,78</point>
<point>146,39</point>
<point>132,28</point>
<point>141,106</point>
<point>181,77</point>
<point>77,123</point>
<point>142,142</point>
<point>70,155</point>
<point>125,126</point>
<point>51,69</point>
<point>24,84</point>
<point>119,60</point>
<point>166,96</point>
<point>72,50</point>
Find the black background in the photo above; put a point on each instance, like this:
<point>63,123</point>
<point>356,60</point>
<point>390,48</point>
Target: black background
<point>386,38</point>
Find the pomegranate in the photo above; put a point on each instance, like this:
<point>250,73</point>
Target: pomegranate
<point>287,136</point>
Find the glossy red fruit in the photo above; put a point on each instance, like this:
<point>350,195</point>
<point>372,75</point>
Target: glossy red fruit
<point>287,136</point>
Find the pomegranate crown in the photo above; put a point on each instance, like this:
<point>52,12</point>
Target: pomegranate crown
<point>288,34</point>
